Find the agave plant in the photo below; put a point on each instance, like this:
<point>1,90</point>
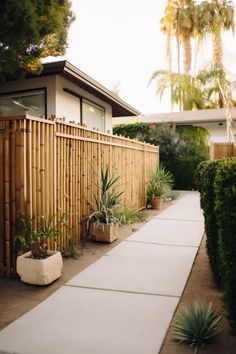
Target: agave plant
<point>108,199</point>
<point>104,215</point>
<point>197,325</point>
<point>160,182</point>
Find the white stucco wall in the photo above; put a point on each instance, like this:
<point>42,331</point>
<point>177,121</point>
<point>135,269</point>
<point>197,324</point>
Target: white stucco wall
<point>217,129</point>
<point>217,132</point>
<point>68,106</point>
<point>59,102</point>
<point>48,82</point>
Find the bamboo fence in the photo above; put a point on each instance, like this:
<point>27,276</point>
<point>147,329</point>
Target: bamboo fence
<point>222,150</point>
<point>52,167</point>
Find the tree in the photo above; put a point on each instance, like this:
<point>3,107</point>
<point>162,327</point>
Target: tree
<point>180,21</point>
<point>210,80</point>
<point>217,15</point>
<point>31,30</point>
<point>186,19</point>
<point>185,90</point>
<point>201,91</point>
<point>181,148</point>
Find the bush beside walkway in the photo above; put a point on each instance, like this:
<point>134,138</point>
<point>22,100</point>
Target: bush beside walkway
<point>216,181</point>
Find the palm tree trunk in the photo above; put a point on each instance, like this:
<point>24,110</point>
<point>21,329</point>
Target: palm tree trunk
<point>178,61</point>
<point>217,49</point>
<point>187,54</point>
<point>169,51</point>
<point>178,52</point>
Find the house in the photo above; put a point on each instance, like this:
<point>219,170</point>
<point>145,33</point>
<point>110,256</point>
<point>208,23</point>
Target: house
<point>211,119</point>
<point>62,90</point>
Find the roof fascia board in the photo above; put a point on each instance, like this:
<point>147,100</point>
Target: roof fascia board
<point>80,75</point>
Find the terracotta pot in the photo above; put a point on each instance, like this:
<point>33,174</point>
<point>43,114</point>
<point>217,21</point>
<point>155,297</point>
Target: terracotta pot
<point>156,203</point>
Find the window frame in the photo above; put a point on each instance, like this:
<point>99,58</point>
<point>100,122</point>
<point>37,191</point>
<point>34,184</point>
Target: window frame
<point>92,103</point>
<point>88,101</point>
<point>19,92</point>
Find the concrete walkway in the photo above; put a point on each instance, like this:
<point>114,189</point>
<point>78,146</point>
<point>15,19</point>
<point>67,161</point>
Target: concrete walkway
<point>124,302</point>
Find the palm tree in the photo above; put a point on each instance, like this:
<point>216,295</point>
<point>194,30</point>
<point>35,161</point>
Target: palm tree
<point>186,19</point>
<point>210,80</point>
<point>185,90</point>
<point>194,92</point>
<point>179,21</point>
<point>216,16</point>
<point>168,26</point>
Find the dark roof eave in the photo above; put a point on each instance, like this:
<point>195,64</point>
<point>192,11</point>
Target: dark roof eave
<point>119,107</point>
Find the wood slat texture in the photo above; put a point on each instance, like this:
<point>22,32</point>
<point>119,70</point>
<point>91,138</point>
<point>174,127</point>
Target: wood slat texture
<point>222,150</point>
<point>53,167</point>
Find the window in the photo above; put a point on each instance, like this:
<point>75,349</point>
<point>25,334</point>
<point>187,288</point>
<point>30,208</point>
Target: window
<point>93,116</point>
<point>21,103</point>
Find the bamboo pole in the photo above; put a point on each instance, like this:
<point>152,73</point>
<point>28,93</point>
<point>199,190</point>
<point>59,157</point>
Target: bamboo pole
<point>2,199</point>
<point>52,167</point>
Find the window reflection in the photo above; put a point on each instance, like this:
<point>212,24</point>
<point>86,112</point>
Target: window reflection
<point>32,103</point>
<point>93,116</point>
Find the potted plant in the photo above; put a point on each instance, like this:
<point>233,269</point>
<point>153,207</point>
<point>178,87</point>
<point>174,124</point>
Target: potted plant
<point>103,224</point>
<point>36,264</point>
<point>160,183</point>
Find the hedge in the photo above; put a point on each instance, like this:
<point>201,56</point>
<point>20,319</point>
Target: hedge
<point>225,208</point>
<point>182,148</point>
<point>217,184</point>
<point>205,177</point>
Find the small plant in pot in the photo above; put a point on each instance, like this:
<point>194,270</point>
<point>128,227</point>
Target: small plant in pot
<point>36,264</point>
<point>160,183</point>
<point>103,224</point>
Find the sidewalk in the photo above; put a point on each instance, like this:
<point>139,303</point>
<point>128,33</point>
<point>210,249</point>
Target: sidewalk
<point>124,302</point>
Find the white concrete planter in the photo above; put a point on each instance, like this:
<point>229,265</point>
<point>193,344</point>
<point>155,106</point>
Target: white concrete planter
<point>104,232</point>
<point>39,271</point>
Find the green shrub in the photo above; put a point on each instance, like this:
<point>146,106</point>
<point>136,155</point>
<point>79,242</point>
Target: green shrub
<point>204,179</point>
<point>138,131</point>
<point>194,150</point>
<point>181,148</point>
<point>35,239</point>
<point>197,325</point>
<point>217,185</point>
<point>129,215</point>
<point>225,207</point>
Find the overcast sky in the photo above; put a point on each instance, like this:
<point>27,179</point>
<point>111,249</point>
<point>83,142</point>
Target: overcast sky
<point>120,41</point>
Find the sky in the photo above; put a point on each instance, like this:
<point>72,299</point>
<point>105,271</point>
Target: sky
<point>120,42</point>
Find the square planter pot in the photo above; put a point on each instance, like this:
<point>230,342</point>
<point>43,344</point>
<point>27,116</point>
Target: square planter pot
<point>39,271</point>
<point>104,232</point>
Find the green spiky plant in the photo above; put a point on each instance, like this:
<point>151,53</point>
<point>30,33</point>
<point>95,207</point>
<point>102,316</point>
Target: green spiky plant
<point>197,325</point>
<point>128,215</point>
<point>35,239</point>
<point>108,199</point>
<point>160,182</point>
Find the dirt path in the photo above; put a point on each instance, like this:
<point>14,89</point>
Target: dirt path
<point>201,285</point>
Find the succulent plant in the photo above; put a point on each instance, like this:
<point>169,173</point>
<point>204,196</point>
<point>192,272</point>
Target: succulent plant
<point>197,325</point>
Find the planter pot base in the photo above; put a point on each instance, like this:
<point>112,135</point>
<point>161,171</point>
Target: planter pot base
<point>156,203</point>
<point>39,271</point>
<point>104,232</point>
